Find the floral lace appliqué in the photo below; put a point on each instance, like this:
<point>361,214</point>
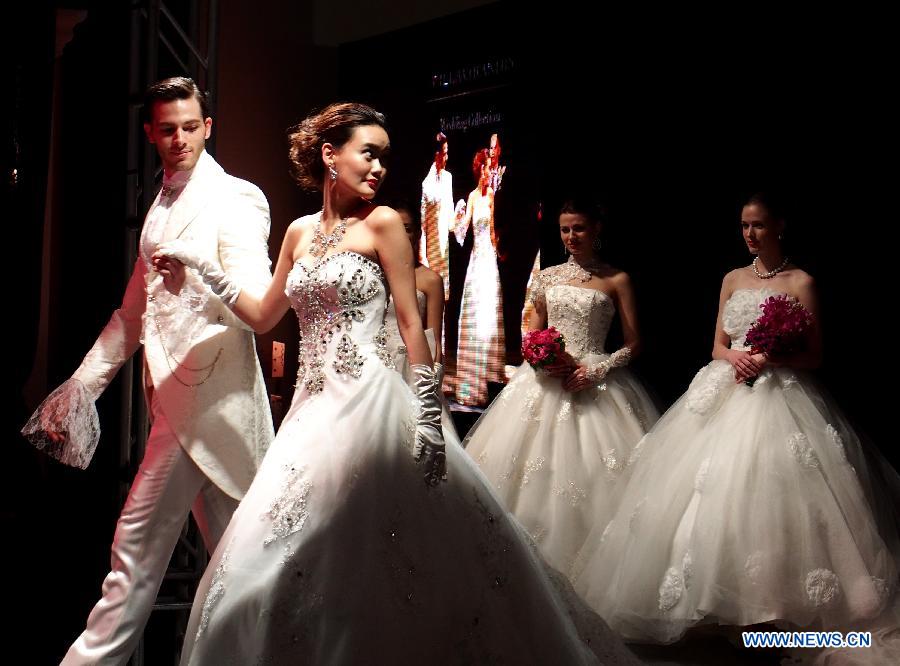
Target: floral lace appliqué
<point>822,587</point>
<point>216,590</point>
<point>799,446</point>
<point>289,511</point>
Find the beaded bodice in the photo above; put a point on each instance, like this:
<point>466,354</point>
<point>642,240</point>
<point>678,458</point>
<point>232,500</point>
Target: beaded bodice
<point>340,303</point>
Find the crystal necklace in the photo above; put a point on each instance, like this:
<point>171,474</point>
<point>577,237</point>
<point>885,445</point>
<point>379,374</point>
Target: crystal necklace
<point>321,241</point>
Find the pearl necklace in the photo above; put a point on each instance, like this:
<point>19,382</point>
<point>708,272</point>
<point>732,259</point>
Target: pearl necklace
<point>772,273</point>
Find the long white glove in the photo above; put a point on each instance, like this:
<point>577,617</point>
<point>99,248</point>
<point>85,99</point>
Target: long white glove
<point>429,449</point>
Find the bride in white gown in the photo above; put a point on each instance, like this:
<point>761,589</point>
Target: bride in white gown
<point>747,504</point>
<point>339,553</point>
<point>555,442</point>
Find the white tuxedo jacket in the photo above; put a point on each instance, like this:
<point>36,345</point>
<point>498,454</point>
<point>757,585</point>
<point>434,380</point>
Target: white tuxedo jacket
<point>200,359</point>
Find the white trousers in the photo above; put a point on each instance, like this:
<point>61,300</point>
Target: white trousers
<point>167,486</point>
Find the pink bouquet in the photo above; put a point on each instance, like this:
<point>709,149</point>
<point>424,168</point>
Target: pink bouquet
<point>780,329</point>
<point>542,348</point>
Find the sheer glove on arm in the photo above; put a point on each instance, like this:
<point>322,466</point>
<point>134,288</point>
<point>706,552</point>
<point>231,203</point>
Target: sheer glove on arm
<point>429,449</point>
<point>597,372</point>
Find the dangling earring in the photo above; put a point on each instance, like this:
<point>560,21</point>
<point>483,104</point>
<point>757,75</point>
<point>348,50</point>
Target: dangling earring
<point>597,244</point>
<point>332,173</point>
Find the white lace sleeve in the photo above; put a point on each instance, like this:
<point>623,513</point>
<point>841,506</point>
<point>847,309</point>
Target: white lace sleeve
<point>71,412</point>
<point>549,277</point>
<point>538,291</point>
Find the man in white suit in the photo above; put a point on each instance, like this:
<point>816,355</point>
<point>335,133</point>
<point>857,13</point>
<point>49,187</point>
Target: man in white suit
<point>437,214</point>
<point>211,422</point>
